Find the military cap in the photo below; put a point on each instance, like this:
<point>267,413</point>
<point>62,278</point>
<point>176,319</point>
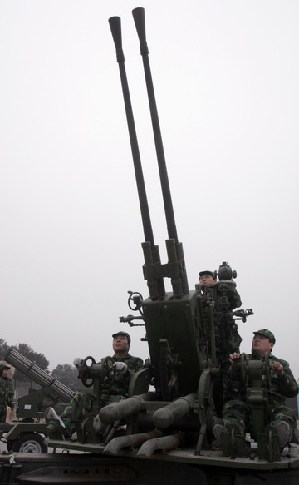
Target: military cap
<point>207,272</point>
<point>124,334</point>
<point>266,333</point>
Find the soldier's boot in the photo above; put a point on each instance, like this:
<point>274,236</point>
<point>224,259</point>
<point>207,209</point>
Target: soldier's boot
<point>218,430</point>
<point>55,426</point>
<point>295,435</point>
<point>284,433</point>
<point>101,429</point>
<point>231,440</point>
<point>239,446</point>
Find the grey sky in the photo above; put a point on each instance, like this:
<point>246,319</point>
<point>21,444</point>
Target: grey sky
<point>226,79</point>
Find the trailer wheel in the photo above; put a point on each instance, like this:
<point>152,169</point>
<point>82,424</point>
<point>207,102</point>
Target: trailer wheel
<point>29,443</point>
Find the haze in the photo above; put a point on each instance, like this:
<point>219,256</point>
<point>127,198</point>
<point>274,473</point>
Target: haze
<point>226,80</point>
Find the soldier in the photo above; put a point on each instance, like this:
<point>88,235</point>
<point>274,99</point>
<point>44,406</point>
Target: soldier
<point>122,364</point>
<point>217,300</point>
<point>6,392</point>
<point>115,381</point>
<point>236,411</point>
<point>209,278</point>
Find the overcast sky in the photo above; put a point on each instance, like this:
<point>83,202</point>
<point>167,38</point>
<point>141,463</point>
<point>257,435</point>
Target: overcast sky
<point>226,80</point>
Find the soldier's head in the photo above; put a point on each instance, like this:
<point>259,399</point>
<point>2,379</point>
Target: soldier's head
<point>207,278</point>
<point>4,370</point>
<point>121,343</point>
<point>263,341</point>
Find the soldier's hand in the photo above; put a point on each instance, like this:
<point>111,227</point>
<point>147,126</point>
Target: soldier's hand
<point>277,367</point>
<point>234,356</point>
<point>120,367</point>
<point>96,424</point>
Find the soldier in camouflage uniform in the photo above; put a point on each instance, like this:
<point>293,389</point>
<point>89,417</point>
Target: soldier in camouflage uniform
<point>116,383</point>
<point>236,411</point>
<point>225,298</point>
<point>6,392</point>
<point>117,371</point>
<point>217,300</point>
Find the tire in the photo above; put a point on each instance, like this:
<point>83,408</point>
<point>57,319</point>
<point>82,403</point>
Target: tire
<point>29,443</point>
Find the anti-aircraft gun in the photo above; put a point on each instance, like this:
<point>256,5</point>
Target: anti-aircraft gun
<point>186,360</point>
<point>190,333</point>
<point>27,433</point>
<point>184,354</point>
<point>52,391</point>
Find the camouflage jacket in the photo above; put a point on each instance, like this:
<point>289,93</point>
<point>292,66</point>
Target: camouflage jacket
<point>6,392</point>
<point>116,383</point>
<point>281,385</point>
<point>224,298</point>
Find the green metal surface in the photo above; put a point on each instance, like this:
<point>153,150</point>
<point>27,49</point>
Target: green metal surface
<point>175,320</point>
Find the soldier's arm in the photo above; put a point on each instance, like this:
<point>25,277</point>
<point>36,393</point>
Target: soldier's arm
<point>138,364</point>
<point>287,384</point>
<point>134,363</point>
<point>234,299</point>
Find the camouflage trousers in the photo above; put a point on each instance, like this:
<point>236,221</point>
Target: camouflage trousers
<point>3,412</point>
<point>237,412</point>
<point>81,406</point>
